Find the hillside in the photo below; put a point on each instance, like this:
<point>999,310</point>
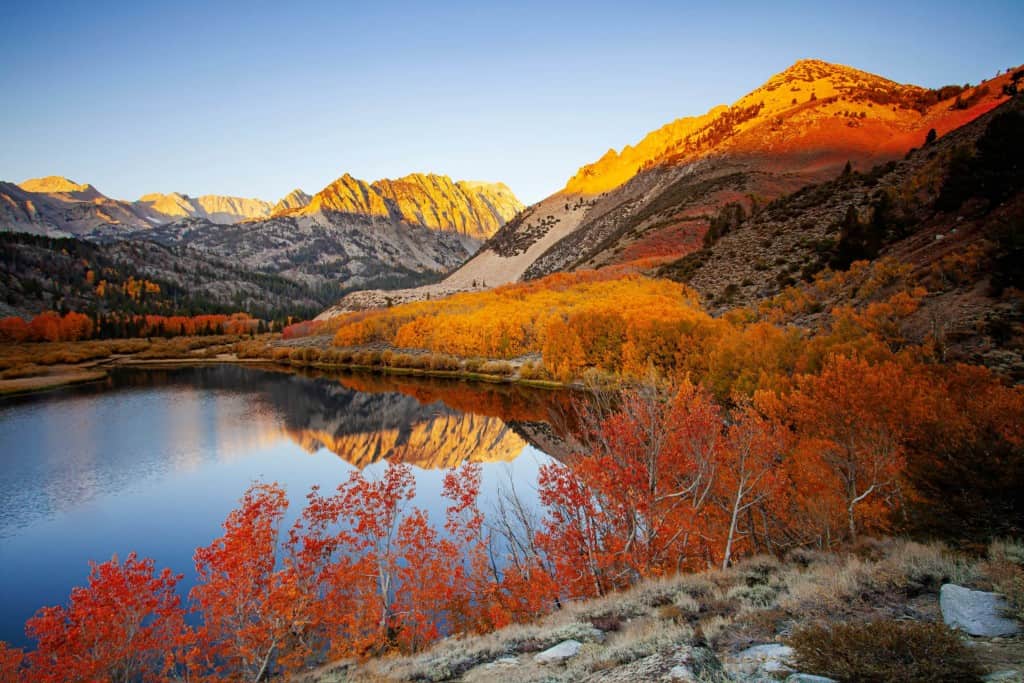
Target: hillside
<point>946,218</point>
<point>652,202</point>
<point>40,273</point>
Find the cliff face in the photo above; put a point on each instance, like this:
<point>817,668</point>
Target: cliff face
<point>473,209</point>
<point>296,199</point>
<point>215,208</point>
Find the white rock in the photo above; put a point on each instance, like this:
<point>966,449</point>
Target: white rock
<point>770,658</point>
<point>1007,676</point>
<point>808,678</point>
<point>567,649</point>
<point>502,663</point>
<point>975,612</point>
<point>681,673</point>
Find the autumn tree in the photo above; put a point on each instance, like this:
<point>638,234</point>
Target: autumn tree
<point>750,471</point>
<point>122,626</point>
<point>246,605</point>
<point>853,420</point>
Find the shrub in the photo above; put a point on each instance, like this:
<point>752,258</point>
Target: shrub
<point>758,595</point>
<point>885,650</point>
<point>473,364</point>
<point>440,361</point>
<point>496,367</point>
<point>533,370</point>
<point>1006,569</point>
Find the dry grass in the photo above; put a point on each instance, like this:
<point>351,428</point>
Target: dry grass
<point>883,651</point>
<point>1005,570</point>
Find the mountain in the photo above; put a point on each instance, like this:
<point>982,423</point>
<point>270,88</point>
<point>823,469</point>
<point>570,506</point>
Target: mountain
<point>215,208</point>
<point>943,228</point>
<point>296,199</point>
<point>354,234</point>
<point>652,202</point>
<point>473,209</point>
<point>59,207</point>
<point>350,235</point>
<point>55,184</point>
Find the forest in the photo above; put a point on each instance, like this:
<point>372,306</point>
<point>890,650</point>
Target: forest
<point>51,326</point>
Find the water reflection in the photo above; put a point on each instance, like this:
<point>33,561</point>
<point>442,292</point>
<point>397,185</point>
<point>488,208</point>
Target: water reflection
<point>153,461</point>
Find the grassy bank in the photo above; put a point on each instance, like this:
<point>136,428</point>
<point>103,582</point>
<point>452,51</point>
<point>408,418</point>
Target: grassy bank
<point>882,588</point>
<point>26,368</point>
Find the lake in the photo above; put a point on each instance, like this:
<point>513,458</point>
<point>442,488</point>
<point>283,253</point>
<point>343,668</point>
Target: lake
<point>153,460</point>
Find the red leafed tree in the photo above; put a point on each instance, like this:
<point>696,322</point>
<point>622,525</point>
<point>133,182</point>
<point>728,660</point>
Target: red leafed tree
<point>751,471</point>
<point>338,587</point>
<point>120,627</point>
<point>11,664</point>
<point>372,512</point>
<point>475,602</point>
<point>248,608</point>
<point>637,502</point>
<point>854,419</point>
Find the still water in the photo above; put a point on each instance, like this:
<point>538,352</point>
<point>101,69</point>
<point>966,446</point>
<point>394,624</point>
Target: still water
<point>153,460</point>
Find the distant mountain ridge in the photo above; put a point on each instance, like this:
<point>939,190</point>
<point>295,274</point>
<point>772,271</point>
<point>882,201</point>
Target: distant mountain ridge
<point>350,235</point>
<point>60,207</point>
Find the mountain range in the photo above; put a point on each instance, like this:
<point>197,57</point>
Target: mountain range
<point>659,206</point>
<point>350,235</point>
<point>652,202</point>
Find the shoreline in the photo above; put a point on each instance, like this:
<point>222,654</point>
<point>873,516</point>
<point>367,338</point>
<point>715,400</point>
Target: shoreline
<point>94,371</point>
<point>41,383</point>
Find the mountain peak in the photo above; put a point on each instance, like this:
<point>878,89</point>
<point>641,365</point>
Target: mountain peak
<point>55,184</point>
<point>474,209</point>
<point>813,107</point>
<point>296,199</point>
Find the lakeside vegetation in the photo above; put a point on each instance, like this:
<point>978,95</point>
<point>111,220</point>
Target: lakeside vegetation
<point>733,437</point>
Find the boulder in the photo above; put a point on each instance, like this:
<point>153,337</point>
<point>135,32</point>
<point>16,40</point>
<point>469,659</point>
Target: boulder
<point>567,649</point>
<point>1006,676</point>
<point>681,664</point>
<point>808,678</point>
<point>976,613</point>
<point>767,660</point>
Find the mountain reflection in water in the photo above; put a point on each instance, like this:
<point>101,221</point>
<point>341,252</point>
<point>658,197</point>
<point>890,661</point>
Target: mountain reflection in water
<point>153,460</point>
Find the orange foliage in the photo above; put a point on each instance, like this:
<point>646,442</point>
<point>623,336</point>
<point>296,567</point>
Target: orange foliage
<point>120,627</point>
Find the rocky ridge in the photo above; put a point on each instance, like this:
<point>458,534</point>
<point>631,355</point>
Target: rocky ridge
<point>473,209</point>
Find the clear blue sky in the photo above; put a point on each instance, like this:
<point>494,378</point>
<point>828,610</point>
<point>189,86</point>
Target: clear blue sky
<point>255,98</point>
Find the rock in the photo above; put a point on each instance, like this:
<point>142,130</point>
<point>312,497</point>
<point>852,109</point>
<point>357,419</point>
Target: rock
<point>976,613</point>
<point>502,663</point>
<point>767,660</point>
<point>1007,676</point>
<point>684,664</point>
<point>808,678</point>
<point>567,649</point>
